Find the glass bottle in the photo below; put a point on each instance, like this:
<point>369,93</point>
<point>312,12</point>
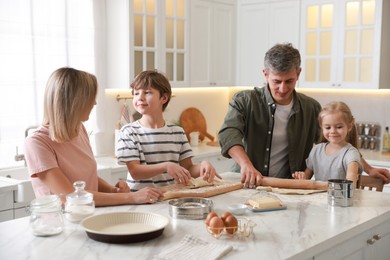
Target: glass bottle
<point>373,143</point>
<point>46,216</point>
<point>386,140</point>
<point>79,204</point>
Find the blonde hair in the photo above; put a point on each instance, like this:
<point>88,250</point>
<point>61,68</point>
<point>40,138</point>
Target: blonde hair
<point>69,92</point>
<point>153,79</point>
<point>339,106</point>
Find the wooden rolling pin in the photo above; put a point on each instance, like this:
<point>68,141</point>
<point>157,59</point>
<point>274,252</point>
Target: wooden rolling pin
<point>293,184</point>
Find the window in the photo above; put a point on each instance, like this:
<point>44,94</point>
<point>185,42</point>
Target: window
<point>36,38</point>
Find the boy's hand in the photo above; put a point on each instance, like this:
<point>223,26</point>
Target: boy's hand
<point>179,173</point>
<point>207,171</point>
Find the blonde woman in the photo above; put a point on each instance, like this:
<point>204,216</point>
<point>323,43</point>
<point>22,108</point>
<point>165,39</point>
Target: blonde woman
<point>58,153</point>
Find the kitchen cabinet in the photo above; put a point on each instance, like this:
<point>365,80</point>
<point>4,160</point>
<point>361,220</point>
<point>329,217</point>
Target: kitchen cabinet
<point>344,44</point>
<point>147,35</point>
<point>119,173</point>
<point>220,163</point>
<point>370,244</point>
<point>212,36</point>
<point>6,215</point>
<point>6,204</point>
<point>261,24</point>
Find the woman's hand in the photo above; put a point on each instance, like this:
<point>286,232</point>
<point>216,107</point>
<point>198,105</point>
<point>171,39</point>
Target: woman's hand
<point>299,175</point>
<point>207,171</point>
<point>121,187</point>
<point>179,173</point>
<point>147,195</point>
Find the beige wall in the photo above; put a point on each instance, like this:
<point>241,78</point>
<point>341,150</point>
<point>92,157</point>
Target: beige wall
<point>368,106</point>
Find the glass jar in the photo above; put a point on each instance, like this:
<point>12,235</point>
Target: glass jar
<point>79,204</point>
<point>46,216</point>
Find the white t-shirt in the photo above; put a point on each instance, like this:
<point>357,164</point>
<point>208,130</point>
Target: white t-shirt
<point>152,146</point>
<point>326,167</point>
<point>279,165</point>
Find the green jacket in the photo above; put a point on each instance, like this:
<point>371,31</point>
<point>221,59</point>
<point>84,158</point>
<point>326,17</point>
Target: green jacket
<point>249,123</point>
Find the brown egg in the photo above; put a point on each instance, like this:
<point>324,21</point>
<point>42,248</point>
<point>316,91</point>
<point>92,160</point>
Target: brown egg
<point>209,216</point>
<point>225,215</point>
<point>216,225</point>
<point>231,224</point>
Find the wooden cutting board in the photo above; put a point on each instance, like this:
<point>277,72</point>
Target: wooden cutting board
<point>181,191</point>
<point>192,120</point>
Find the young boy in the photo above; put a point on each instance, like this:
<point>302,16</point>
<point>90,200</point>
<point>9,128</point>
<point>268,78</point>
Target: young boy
<point>155,152</point>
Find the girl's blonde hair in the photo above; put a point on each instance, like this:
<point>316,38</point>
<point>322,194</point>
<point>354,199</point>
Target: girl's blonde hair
<point>339,106</point>
<point>69,92</point>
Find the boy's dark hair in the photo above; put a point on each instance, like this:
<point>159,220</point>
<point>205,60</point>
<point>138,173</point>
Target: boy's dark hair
<point>153,79</point>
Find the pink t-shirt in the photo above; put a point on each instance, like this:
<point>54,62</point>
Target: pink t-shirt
<point>74,158</point>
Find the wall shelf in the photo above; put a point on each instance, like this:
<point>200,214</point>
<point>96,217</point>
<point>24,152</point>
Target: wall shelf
<point>124,96</point>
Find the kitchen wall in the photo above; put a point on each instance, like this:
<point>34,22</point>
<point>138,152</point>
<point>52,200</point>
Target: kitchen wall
<point>212,102</point>
<point>366,105</point>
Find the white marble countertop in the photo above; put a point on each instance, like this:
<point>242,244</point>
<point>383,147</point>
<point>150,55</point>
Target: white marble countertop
<point>307,227</point>
<point>376,158</point>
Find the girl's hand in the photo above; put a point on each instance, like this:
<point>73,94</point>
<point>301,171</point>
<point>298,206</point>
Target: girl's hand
<point>179,173</point>
<point>121,187</point>
<point>299,175</point>
<point>147,195</point>
<point>207,171</point>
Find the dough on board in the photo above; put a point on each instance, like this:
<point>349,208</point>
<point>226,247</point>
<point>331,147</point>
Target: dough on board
<point>195,183</point>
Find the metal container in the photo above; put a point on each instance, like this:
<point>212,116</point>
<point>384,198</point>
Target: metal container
<point>340,192</point>
<point>190,208</point>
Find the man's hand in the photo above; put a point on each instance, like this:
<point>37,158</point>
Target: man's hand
<point>380,173</point>
<point>250,176</point>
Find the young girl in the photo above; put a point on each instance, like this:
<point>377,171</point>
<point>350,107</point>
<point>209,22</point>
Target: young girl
<point>156,153</point>
<point>335,157</point>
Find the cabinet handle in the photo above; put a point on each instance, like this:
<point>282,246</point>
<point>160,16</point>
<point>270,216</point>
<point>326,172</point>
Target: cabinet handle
<point>371,241</point>
<point>377,237</point>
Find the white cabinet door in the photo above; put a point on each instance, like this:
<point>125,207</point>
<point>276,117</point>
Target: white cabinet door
<point>262,24</point>
<point>342,44</point>
<point>6,215</point>
<point>146,35</point>
<point>212,36</point>
<point>352,249</point>
<point>380,249</point>
<point>370,244</point>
